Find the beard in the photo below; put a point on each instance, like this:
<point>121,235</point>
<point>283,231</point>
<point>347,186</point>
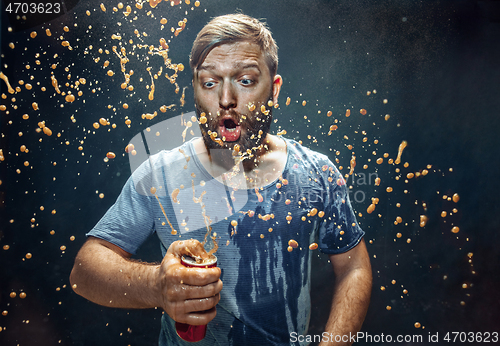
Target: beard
<point>251,125</point>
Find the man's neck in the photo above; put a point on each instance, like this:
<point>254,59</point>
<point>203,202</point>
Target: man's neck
<point>263,165</point>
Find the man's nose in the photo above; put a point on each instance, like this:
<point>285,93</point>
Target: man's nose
<point>227,97</point>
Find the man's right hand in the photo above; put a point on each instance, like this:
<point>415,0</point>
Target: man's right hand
<point>189,295</point>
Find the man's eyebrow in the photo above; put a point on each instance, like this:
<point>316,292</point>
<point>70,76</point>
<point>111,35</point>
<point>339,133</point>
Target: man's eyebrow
<point>245,66</point>
<point>237,65</point>
<point>205,67</point>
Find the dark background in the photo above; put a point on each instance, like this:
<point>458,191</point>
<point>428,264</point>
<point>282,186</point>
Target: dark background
<point>436,62</point>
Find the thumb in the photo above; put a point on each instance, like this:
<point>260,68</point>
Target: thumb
<point>190,247</point>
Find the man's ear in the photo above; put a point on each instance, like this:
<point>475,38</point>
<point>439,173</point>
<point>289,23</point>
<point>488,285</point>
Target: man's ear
<point>277,82</point>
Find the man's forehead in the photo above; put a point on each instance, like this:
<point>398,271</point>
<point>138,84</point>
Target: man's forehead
<point>237,54</point>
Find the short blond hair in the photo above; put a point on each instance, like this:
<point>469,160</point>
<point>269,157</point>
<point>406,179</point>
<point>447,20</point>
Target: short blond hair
<point>234,28</point>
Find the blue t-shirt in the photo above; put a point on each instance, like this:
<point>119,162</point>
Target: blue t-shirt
<point>266,294</point>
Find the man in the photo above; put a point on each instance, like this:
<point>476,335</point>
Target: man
<point>277,197</point>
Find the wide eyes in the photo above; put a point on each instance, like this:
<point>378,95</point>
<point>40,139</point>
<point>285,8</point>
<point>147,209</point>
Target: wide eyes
<point>242,81</point>
<point>246,81</point>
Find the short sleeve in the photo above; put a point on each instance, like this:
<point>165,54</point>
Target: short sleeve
<point>129,222</point>
<point>340,231</point>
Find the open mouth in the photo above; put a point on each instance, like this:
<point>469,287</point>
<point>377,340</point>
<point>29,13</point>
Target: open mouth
<point>229,129</point>
<point>230,125</point>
